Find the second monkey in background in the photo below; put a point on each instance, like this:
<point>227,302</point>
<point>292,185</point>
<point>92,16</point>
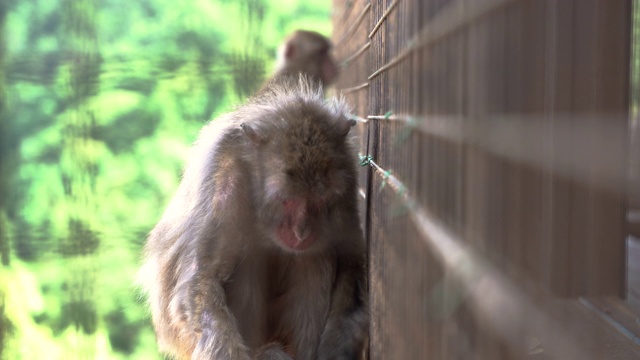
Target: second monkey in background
<point>305,52</point>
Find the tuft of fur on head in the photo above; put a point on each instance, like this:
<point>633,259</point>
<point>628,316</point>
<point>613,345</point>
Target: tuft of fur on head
<point>289,104</point>
<point>298,88</point>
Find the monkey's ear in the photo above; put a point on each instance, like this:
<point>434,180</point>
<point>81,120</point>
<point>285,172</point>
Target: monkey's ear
<point>345,126</point>
<point>251,134</point>
<point>289,50</point>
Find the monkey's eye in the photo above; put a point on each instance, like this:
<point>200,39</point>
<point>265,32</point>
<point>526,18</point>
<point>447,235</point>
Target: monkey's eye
<point>325,167</point>
<point>324,171</point>
<point>323,207</point>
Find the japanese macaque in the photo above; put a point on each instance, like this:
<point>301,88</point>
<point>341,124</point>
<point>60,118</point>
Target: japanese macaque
<point>307,52</point>
<point>260,254</point>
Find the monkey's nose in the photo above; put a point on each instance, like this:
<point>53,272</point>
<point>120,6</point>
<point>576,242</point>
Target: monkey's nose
<point>301,231</point>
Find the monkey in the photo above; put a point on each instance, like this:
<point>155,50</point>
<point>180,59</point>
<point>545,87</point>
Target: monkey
<point>260,253</point>
<point>309,53</point>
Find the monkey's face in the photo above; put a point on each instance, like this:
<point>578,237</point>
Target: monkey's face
<point>307,173</point>
<point>309,179</point>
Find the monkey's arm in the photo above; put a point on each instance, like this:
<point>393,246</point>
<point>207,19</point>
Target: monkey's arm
<point>219,337</point>
<point>346,326</point>
<point>218,256</point>
<point>191,316</point>
<point>221,202</point>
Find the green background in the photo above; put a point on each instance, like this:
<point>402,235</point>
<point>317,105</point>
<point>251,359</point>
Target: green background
<point>99,103</point>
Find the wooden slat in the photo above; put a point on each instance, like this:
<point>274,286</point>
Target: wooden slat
<point>506,121</point>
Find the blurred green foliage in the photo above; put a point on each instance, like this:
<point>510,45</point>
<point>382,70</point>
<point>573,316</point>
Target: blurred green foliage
<point>99,103</point>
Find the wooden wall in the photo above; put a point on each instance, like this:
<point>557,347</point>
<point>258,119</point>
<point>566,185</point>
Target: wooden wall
<point>494,142</point>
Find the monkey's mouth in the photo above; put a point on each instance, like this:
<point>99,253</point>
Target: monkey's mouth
<point>292,239</point>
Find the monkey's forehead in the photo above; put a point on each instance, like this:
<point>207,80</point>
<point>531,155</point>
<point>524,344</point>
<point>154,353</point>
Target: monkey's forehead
<point>304,150</point>
<point>302,122</point>
<point>313,133</point>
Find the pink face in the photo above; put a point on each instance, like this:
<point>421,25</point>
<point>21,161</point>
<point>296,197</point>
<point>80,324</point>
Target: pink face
<point>296,230</point>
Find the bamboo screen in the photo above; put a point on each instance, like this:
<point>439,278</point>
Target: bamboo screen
<point>494,145</point>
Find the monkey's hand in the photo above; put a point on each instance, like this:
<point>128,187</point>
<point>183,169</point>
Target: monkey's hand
<point>219,339</point>
<point>343,338</point>
<point>345,331</point>
<point>272,351</point>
